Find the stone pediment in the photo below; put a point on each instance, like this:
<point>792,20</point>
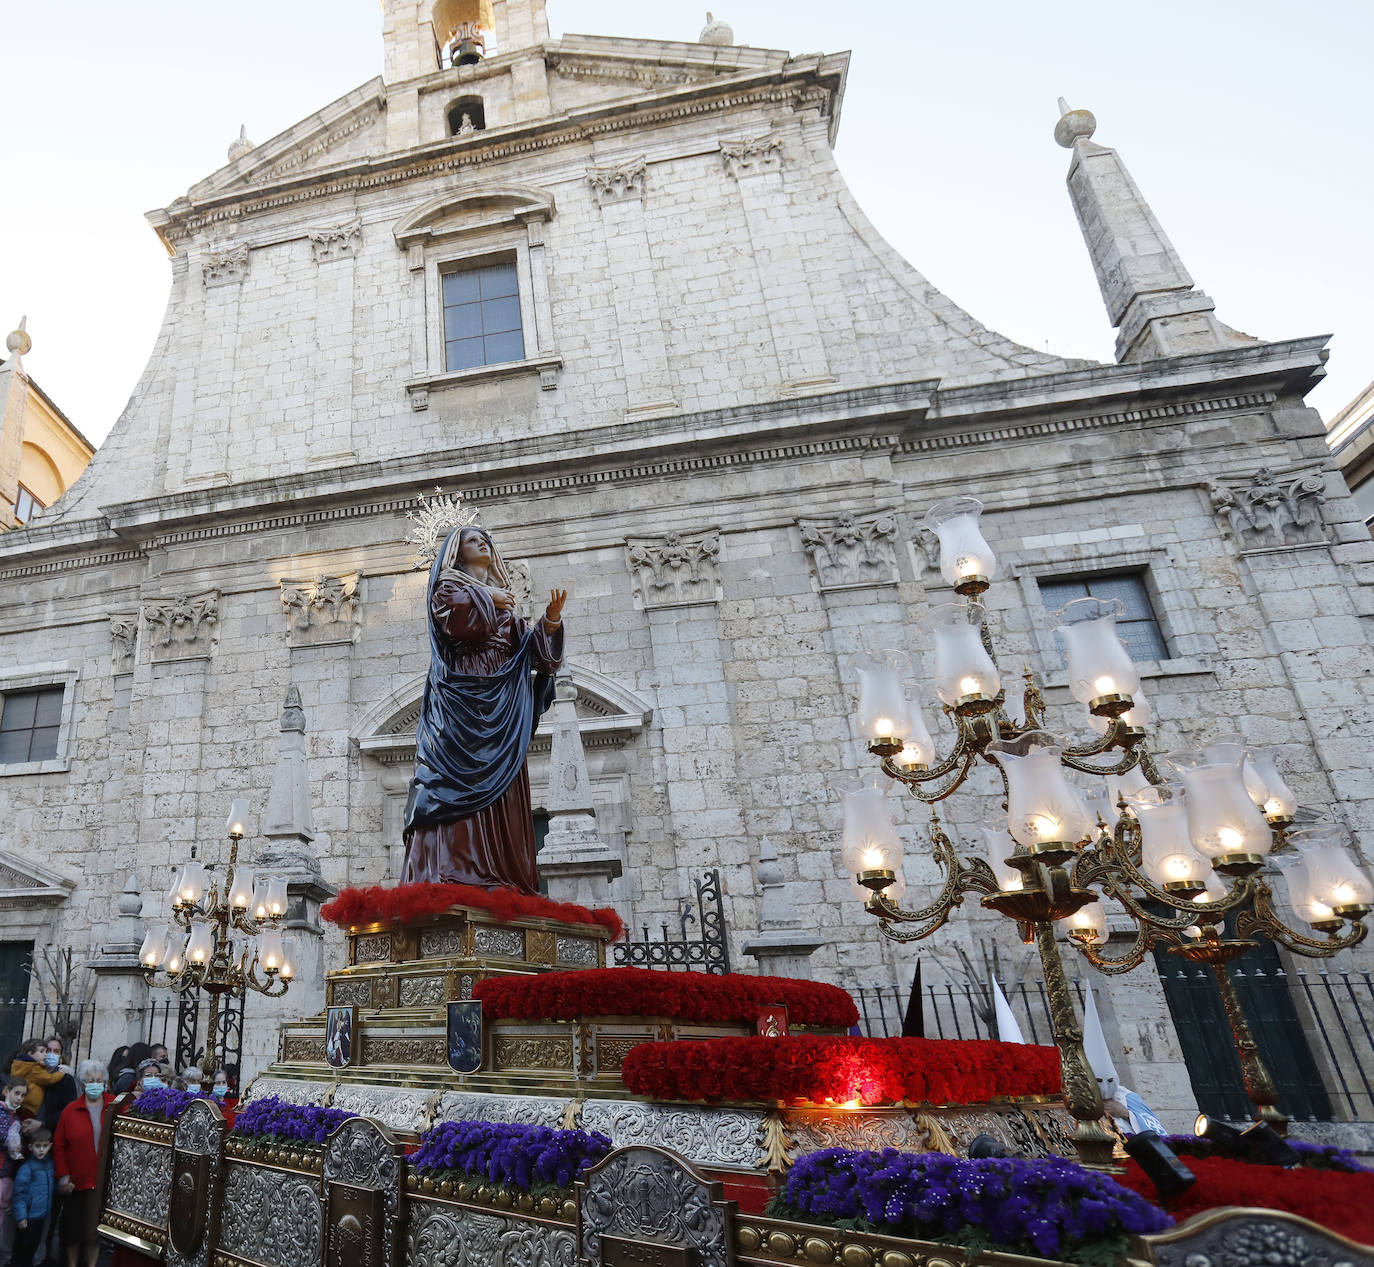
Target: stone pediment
<point>608,714</point>
<point>24,882</point>
<point>351,127</point>
<point>469,209</point>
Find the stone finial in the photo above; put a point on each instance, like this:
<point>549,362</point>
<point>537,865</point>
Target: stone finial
<point>719,34</point>
<point>241,145</point>
<point>18,341</point>
<point>783,946</point>
<point>1073,124</point>
<point>288,815</point>
<point>131,899</point>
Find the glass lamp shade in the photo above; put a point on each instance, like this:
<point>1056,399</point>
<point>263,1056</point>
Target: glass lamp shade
<point>176,957</point>
<point>241,891</point>
<point>1099,663</point>
<point>870,840</point>
<point>1167,853</point>
<point>276,896</point>
<point>964,552</point>
<point>918,748</point>
<point>1100,805</point>
<point>154,948</point>
<point>1223,821</point>
<point>882,697</point>
<point>1298,880</point>
<point>237,825</point>
<point>191,883</point>
<point>1043,808</point>
<point>963,668</point>
<point>271,952</point>
<point>288,963</point>
<point>174,893</point>
<point>1088,924</point>
<point>258,906</point>
<point>200,945</point>
<point>1216,887</point>
<point>1000,847</point>
<point>1139,715</point>
<point>1267,787</point>
<point>894,891</point>
<point>1333,879</point>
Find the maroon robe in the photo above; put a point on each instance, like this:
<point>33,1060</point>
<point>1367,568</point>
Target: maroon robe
<point>494,846</point>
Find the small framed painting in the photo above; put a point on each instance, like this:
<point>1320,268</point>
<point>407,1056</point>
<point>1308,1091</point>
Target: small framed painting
<point>340,1033</point>
<point>772,1021</point>
<point>465,1035</point>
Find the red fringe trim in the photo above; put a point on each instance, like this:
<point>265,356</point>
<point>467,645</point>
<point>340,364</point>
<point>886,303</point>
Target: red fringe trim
<point>377,904</point>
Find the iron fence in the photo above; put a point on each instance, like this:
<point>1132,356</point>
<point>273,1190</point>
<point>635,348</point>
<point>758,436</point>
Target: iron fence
<point>75,1023</point>
<point>1335,1010</point>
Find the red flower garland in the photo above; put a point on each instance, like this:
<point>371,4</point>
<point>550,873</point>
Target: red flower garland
<point>377,904</point>
<point>813,1068</point>
<point>685,996</point>
<point>1343,1202</point>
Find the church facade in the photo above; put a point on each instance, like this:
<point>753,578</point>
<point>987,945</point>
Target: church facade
<point>616,294</point>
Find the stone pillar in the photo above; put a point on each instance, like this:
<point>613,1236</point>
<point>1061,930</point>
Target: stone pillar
<point>121,994</point>
<point>783,947</point>
<point>289,828</point>
<point>576,862</point>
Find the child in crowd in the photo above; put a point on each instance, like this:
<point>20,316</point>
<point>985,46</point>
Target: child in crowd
<point>12,1148</point>
<point>33,1189</point>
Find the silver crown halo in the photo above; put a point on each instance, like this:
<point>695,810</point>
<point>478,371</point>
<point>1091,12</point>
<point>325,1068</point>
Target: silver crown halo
<point>433,519</point>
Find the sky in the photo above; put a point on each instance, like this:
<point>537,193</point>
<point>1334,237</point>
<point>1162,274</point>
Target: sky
<point>1245,123</point>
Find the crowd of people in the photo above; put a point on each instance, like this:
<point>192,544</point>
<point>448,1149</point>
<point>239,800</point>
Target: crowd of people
<point>51,1119</point>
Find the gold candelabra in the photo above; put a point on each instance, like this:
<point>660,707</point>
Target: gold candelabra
<point>1228,808</point>
<point>198,950</point>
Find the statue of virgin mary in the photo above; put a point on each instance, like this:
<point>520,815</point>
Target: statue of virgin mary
<point>468,817</point>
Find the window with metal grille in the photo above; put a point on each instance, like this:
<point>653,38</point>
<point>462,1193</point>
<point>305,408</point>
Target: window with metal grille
<point>29,724</point>
<point>482,317</point>
<point>1138,627</point>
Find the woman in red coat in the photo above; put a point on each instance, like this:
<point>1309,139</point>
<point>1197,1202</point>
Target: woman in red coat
<point>76,1163</point>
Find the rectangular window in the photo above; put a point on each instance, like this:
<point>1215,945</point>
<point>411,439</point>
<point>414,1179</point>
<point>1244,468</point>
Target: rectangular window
<point>482,317</point>
<point>26,506</point>
<point>29,724</point>
<point>1138,627</point>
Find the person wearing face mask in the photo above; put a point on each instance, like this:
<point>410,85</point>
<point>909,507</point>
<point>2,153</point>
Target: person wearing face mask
<point>31,1065</point>
<point>60,1094</point>
<point>76,1154</point>
<point>191,1080</point>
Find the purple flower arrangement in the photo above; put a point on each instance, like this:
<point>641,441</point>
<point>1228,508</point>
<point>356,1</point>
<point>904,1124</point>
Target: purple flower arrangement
<point>271,1119</point>
<point>519,1157</point>
<point>162,1104</point>
<point>1314,1156</point>
<point>1051,1207</point>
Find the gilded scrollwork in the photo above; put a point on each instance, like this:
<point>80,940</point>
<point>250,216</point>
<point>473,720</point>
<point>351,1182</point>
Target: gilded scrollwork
<point>422,991</point>
<point>403,1051</point>
<point>526,1110</point>
<point>372,948</point>
<point>577,952</point>
<point>357,992</point>
<point>861,1129</point>
<point>506,942</point>
<point>534,1053</point>
<point>400,1108</point>
<point>140,1180</point>
<point>439,1238</point>
<point>1242,1238</point>
<point>272,1216</point>
<point>712,1137</point>
<point>645,1194</point>
<point>435,942</point>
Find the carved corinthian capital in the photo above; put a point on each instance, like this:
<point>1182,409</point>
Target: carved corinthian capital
<point>748,155</point>
<point>674,570</point>
<point>181,628</point>
<point>619,183</point>
<point>123,640</point>
<point>1272,508</point>
<point>852,549</point>
<point>323,609</point>
<point>225,263</point>
<point>336,242</point>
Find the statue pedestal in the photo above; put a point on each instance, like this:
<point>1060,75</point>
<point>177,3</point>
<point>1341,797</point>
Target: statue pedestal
<point>576,863</point>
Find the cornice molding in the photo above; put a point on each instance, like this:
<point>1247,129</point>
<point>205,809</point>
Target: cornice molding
<point>799,89</point>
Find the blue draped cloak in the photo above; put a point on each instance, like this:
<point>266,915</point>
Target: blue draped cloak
<point>468,817</point>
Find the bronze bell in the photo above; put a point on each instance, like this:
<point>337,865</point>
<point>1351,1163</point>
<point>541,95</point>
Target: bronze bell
<point>468,53</point>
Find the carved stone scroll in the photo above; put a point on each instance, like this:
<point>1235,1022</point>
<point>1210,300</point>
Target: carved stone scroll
<point>362,1196</point>
<point>852,550</point>
<point>619,183</point>
<point>749,155</point>
<point>194,1209</point>
<point>708,1137</point>
<point>123,640</point>
<point>649,1196</point>
<point>442,1237</point>
<point>271,1216</point>
<point>225,263</point>
<point>337,242</point>
<point>674,571</point>
<point>321,610</point>
<point>181,628</point>
<point>140,1180</point>
<point>1272,509</point>
<point>1242,1237</point>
